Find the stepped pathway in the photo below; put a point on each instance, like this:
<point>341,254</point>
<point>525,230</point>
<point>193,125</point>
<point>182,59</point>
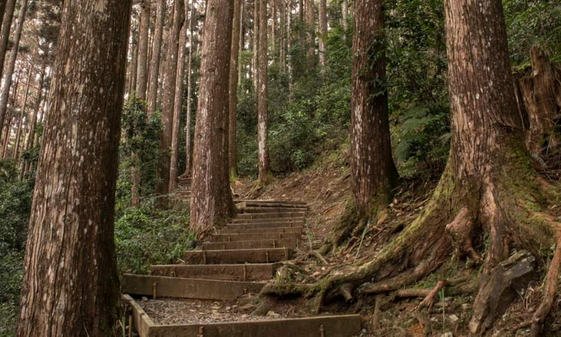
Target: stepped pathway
<point>235,262</point>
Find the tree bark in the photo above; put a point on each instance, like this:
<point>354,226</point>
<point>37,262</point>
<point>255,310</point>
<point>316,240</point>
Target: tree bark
<point>10,114</point>
<point>188,147</point>
<point>5,32</point>
<point>178,104</point>
<point>323,31</point>
<point>301,10</point>
<point>12,62</point>
<point>310,36</point>
<point>283,35</point>
<point>134,65</point>
<point>256,45</point>
<point>263,114</point>
<point>143,42</point>
<point>373,172</point>
<point>233,91</point>
<point>16,150</point>
<point>169,97</point>
<point>2,11</point>
<point>345,13</point>
<point>211,201</point>
<point>70,285</point>
<point>155,60</point>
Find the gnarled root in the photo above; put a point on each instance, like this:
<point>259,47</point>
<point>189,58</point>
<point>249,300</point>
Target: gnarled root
<point>551,284</point>
<point>460,231</point>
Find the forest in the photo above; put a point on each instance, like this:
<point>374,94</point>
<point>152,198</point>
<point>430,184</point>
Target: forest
<point>279,168</point>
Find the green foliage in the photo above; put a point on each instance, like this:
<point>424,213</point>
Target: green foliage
<point>533,22</point>
<point>147,234</point>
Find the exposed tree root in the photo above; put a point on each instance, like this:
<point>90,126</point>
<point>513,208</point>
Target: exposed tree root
<point>376,315</point>
<point>429,299</point>
<point>551,284</point>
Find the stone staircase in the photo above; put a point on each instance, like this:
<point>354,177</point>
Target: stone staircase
<point>184,188</point>
<point>237,260</point>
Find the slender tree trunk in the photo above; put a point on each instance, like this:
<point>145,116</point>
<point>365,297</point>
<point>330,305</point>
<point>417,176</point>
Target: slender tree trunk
<point>301,10</point>
<point>373,173</point>
<point>16,150</point>
<point>188,148</point>
<point>12,62</point>
<point>70,285</point>
<point>134,65</point>
<point>323,31</point>
<point>178,104</point>
<point>5,33</point>
<point>263,115</point>
<point>274,24</point>
<point>211,201</point>
<point>143,42</point>
<point>155,60</point>
<point>311,29</point>
<point>2,11</point>
<point>169,96</point>
<point>289,47</point>
<point>256,45</point>
<point>282,30</point>
<point>345,13</point>
<point>233,91</point>
<point>10,116</point>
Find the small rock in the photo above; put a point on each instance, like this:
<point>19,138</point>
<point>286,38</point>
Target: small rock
<point>447,334</point>
<point>466,306</point>
<point>441,305</point>
<point>273,314</point>
<point>454,319</point>
<point>144,299</point>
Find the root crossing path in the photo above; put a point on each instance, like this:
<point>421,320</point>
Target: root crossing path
<point>235,262</point>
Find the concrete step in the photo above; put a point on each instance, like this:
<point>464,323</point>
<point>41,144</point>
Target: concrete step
<point>251,244</point>
<point>162,286</point>
<point>240,226</point>
<point>267,202</point>
<point>247,237</point>
<point>228,272</point>
<point>262,255</point>
<point>273,230</point>
<point>261,210</point>
<point>271,220</point>
<point>245,216</point>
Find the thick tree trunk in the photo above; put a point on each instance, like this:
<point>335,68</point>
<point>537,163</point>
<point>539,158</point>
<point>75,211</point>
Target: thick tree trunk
<point>373,172</point>
<point>22,113</point>
<point>323,31</point>
<point>178,104</point>
<point>143,43</point>
<point>539,95</point>
<point>169,96</point>
<point>70,285</point>
<point>12,62</point>
<point>2,10</point>
<point>155,60</point>
<point>263,114</point>
<point>5,33</point>
<point>233,91</point>
<point>211,201</point>
<point>188,147</point>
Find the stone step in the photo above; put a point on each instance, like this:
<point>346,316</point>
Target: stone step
<point>251,244</point>
<point>228,272</point>
<point>271,220</point>
<point>247,237</point>
<point>262,255</point>
<point>266,202</point>
<point>261,210</point>
<point>245,216</point>
<point>273,230</point>
<point>263,225</point>
<point>163,286</point>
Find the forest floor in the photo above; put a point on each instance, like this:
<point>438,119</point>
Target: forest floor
<point>325,187</point>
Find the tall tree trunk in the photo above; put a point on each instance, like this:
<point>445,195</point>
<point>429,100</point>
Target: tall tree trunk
<point>10,116</point>
<point>143,42</point>
<point>30,141</point>
<point>12,62</point>
<point>211,201</point>
<point>256,45</point>
<point>178,104</point>
<point>188,148</point>
<point>155,60</point>
<point>5,32</point>
<point>301,10</point>
<point>323,31</point>
<point>263,115</point>
<point>233,91</point>
<point>2,11</point>
<point>289,47</point>
<point>169,96</point>
<point>345,14</point>
<point>311,32</point>
<point>373,172</point>
<point>22,112</point>
<point>282,30</point>
<point>134,65</point>
<point>71,286</point>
